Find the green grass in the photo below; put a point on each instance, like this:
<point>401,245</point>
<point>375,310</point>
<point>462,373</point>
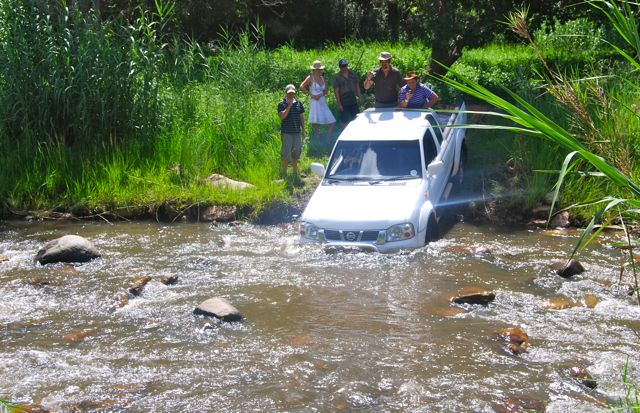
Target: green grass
<point>109,115</point>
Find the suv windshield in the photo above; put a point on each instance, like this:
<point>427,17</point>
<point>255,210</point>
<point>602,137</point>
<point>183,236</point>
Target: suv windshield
<point>375,160</point>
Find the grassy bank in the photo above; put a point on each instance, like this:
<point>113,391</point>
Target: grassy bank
<point>95,116</point>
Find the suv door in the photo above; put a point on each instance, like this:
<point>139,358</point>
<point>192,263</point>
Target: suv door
<point>431,152</point>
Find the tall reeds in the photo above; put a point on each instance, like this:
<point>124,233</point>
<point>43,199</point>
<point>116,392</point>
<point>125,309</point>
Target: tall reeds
<point>68,76</point>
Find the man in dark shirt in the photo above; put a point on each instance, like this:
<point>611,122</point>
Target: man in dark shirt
<point>346,87</point>
<point>387,81</point>
<point>291,113</point>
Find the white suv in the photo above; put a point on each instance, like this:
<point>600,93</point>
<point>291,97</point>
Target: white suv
<point>387,173</point>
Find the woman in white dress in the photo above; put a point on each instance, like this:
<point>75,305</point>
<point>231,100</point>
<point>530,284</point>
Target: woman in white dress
<point>316,87</point>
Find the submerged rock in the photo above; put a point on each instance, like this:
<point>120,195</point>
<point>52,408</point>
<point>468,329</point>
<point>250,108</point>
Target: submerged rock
<point>119,301</point>
<point>517,341</point>
<point>567,269</point>
<point>220,308</point>
<point>138,284</point>
<point>477,250</point>
<point>69,248</point>
<point>300,341</point>
<point>77,336</point>
<point>557,303</point>
<point>169,279</point>
<point>449,312</point>
<point>44,281</point>
<point>473,296</point>
<point>520,405</point>
<point>589,301</point>
<point>582,376</point>
<point>108,405</point>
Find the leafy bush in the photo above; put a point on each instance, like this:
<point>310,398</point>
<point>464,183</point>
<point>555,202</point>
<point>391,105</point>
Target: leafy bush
<point>581,35</point>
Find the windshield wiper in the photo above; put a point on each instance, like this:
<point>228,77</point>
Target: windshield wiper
<point>393,178</point>
<point>347,179</point>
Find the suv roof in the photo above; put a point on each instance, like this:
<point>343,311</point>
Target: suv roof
<point>385,124</point>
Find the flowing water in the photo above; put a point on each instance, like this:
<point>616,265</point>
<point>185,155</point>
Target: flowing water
<point>322,332</point>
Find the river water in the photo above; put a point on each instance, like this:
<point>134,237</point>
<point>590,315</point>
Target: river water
<point>322,332</point>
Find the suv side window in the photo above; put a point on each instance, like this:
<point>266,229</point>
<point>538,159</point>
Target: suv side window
<point>429,145</point>
<point>436,126</point>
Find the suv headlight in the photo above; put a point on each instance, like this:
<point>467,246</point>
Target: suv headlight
<point>308,230</point>
<point>400,232</point>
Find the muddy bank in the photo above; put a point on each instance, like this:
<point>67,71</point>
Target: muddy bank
<point>471,204</point>
<point>175,210</point>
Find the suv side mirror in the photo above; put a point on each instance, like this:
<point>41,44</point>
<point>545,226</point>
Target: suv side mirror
<point>318,169</point>
<point>435,168</point>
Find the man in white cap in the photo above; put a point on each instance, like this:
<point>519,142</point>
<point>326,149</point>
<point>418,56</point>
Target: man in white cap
<point>291,113</point>
<point>387,81</point>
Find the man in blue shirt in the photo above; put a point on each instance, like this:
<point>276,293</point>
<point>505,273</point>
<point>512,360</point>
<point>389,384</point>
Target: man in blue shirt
<point>415,94</point>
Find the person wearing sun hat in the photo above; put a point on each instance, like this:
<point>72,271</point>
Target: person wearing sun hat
<point>415,94</point>
<point>315,86</point>
<point>346,87</point>
<point>291,114</point>
<point>387,81</point>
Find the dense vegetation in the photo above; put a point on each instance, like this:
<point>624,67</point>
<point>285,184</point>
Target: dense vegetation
<point>98,114</point>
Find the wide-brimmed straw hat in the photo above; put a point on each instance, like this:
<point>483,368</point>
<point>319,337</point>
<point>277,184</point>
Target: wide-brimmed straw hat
<point>317,65</point>
<point>411,75</point>
<point>384,56</point>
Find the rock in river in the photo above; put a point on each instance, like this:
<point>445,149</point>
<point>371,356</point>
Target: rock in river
<point>169,279</point>
<point>138,284</point>
<point>220,308</point>
<point>473,296</point>
<point>517,341</point>
<point>558,303</point>
<point>582,376</point>
<point>567,269</point>
<point>69,248</point>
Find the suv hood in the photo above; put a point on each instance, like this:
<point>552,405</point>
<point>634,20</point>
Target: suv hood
<point>363,206</point>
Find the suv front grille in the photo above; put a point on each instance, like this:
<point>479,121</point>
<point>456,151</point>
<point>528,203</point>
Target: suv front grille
<point>351,236</point>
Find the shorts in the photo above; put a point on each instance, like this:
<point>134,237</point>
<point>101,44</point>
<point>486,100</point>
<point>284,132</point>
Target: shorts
<point>291,146</point>
<point>349,113</point>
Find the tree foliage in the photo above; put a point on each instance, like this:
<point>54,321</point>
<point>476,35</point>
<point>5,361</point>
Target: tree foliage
<point>447,26</point>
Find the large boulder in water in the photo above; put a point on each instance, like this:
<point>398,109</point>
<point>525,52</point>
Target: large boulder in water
<point>218,307</point>
<point>567,269</point>
<point>69,248</point>
<point>473,296</point>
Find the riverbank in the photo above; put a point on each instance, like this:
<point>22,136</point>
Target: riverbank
<point>496,190</point>
<point>471,204</point>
